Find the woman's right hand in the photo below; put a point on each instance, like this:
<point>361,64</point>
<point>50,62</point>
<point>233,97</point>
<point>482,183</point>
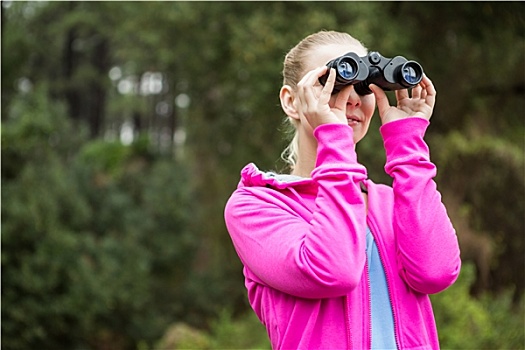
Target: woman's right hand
<point>313,101</point>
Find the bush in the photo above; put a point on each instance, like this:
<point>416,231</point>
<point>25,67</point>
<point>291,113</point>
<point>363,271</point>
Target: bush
<point>491,322</point>
<point>93,237</point>
<point>244,332</point>
<point>226,332</point>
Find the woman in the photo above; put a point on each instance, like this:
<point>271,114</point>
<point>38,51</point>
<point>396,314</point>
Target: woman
<point>332,260</point>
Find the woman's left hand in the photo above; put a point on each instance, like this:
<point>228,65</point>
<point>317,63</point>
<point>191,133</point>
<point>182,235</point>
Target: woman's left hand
<point>421,104</point>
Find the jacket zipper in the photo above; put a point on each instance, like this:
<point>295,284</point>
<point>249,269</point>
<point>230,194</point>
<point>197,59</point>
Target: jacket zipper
<point>347,321</point>
<point>394,316</point>
<point>369,298</point>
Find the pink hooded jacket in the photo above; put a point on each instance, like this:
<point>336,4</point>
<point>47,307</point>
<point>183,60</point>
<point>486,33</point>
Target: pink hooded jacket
<point>302,243</point>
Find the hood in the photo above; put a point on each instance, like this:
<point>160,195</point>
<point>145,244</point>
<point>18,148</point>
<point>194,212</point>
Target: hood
<point>251,176</point>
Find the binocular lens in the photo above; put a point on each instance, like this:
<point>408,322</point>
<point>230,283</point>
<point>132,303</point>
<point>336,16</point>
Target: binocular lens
<point>387,73</point>
<point>347,69</point>
<point>411,73</point>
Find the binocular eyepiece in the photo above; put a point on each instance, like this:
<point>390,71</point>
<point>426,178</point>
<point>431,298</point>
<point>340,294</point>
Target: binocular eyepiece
<point>388,73</point>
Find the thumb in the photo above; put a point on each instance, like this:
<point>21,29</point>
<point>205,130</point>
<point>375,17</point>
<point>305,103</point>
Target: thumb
<point>381,99</point>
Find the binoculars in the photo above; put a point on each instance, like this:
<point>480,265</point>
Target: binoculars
<point>388,73</point>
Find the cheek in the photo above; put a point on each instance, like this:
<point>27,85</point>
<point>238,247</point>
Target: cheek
<point>368,105</point>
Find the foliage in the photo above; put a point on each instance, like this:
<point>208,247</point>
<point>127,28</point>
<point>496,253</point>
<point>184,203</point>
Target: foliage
<point>242,332</point>
<point>106,243</point>
<point>497,206</point>
<point>226,332</point>
<point>486,323</point>
<point>92,253</point>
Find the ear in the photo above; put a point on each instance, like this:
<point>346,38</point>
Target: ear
<point>287,98</point>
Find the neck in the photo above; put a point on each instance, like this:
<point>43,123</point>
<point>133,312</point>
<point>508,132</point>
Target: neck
<point>306,157</point>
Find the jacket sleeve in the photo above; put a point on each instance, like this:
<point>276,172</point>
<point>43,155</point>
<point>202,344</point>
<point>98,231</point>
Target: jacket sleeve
<point>428,251</point>
<point>316,258</point>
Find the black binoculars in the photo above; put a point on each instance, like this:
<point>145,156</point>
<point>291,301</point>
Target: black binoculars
<point>388,73</point>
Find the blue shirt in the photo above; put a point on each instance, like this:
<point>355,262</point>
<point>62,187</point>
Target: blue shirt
<point>382,318</point>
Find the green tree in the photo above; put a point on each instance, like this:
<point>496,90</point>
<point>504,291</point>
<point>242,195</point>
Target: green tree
<point>144,217</point>
<point>94,248</point>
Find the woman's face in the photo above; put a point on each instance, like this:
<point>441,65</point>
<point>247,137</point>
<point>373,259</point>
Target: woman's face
<point>359,109</point>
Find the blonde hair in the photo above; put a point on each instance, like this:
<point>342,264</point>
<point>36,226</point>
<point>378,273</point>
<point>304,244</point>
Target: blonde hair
<point>293,71</point>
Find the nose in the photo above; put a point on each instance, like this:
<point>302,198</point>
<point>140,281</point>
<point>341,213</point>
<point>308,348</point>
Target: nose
<point>352,97</point>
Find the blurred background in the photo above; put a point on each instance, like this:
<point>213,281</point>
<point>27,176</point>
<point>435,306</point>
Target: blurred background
<point>125,126</point>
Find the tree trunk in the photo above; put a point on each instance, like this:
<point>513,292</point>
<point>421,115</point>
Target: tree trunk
<point>97,107</point>
<point>69,62</point>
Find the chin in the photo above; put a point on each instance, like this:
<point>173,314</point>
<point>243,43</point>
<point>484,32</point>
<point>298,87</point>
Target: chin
<point>358,135</point>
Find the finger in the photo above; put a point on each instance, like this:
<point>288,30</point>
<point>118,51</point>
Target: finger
<point>430,97</point>
<point>310,91</point>
<point>430,100</point>
<point>342,98</point>
<point>423,94</point>
<point>302,101</point>
<point>309,79</point>
<point>326,92</point>
<point>381,99</point>
<point>426,84</point>
<point>316,74</point>
<point>311,87</point>
<point>305,84</point>
<point>416,91</point>
<point>401,94</point>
